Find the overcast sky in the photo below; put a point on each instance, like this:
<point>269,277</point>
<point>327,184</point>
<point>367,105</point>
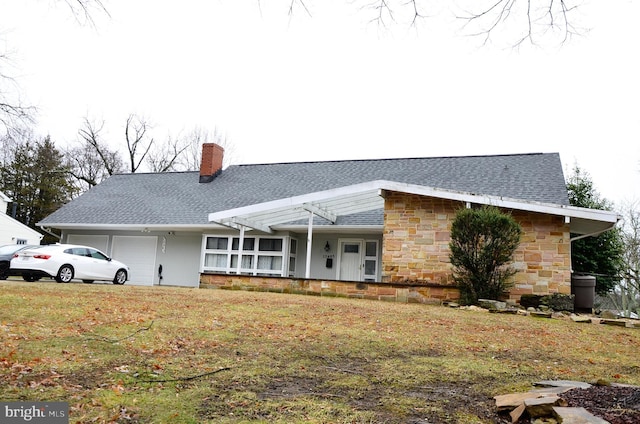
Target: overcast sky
<point>333,86</point>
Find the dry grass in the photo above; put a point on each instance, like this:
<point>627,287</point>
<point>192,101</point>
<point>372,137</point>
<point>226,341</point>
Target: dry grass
<point>155,355</point>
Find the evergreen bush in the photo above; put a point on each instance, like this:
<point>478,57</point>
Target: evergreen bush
<point>482,244</point>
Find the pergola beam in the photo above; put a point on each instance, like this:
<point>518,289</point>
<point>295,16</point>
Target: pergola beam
<point>251,224</point>
<point>331,217</point>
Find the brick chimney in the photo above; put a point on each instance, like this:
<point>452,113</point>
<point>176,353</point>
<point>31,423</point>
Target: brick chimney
<point>211,164</point>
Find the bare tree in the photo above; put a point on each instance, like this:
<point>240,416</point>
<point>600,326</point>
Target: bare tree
<point>517,21</point>
<point>139,141</point>
<point>628,288</point>
<point>13,112</point>
<point>532,19</point>
<point>83,9</point>
<point>85,166</point>
<point>167,156</point>
<point>91,136</point>
<point>10,144</point>
<point>91,160</point>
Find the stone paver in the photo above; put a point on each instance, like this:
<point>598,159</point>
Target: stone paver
<point>567,415</point>
<point>542,407</point>
<point>563,383</point>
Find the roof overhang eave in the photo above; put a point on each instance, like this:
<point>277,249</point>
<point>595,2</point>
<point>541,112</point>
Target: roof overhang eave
<point>582,228</point>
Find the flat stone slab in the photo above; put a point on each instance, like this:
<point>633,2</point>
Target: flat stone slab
<point>570,415</point>
<point>563,383</point>
<point>617,322</point>
<point>512,311</point>
<point>543,314</point>
<point>543,407</point>
<point>514,400</point>
<point>517,413</point>
<point>491,304</point>
<point>581,318</point>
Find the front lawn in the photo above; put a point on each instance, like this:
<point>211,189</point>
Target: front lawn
<point>127,354</point>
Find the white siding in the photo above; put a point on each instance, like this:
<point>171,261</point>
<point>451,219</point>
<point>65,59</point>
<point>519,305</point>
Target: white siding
<point>179,255</point>
<point>12,230</point>
<point>139,253</point>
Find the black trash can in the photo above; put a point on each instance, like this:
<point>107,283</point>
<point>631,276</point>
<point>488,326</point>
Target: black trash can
<point>583,288</point>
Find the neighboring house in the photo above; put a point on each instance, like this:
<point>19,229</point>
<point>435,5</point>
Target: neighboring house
<point>370,221</point>
<point>13,231</point>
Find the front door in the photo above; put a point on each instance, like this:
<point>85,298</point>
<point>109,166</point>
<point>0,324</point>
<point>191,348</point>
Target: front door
<point>350,260</point>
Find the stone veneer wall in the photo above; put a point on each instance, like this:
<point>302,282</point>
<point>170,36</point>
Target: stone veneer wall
<point>406,293</point>
<point>415,246</point>
<point>543,259</point>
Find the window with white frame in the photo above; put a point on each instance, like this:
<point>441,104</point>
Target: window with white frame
<point>371,260</point>
<point>263,255</point>
<point>293,250</point>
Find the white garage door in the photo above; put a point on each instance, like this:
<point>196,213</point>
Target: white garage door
<point>139,253</point>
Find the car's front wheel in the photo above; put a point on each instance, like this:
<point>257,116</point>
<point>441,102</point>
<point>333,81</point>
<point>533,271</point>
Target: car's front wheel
<point>121,277</point>
<point>65,274</point>
<point>4,271</point>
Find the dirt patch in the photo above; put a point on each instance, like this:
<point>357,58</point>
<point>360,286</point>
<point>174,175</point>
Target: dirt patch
<point>442,403</point>
<point>446,402</point>
<point>292,388</point>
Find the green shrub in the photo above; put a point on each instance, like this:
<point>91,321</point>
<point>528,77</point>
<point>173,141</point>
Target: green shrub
<point>482,244</point>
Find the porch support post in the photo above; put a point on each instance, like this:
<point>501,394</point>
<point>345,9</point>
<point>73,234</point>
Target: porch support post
<point>240,249</point>
<point>307,271</point>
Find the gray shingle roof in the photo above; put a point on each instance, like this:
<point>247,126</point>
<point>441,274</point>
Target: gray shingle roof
<point>178,198</point>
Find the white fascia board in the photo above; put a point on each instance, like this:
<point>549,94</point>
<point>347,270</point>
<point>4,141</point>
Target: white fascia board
<point>133,227</point>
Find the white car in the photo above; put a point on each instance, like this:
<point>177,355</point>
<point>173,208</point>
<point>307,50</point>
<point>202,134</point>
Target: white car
<point>65,262</point>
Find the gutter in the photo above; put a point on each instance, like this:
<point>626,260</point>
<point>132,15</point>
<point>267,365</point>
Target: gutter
<point>51,233</point>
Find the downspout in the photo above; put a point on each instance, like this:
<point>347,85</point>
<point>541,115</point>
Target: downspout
<point>48,231</point>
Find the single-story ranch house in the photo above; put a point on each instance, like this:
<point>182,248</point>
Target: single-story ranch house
<point>366,228</point>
